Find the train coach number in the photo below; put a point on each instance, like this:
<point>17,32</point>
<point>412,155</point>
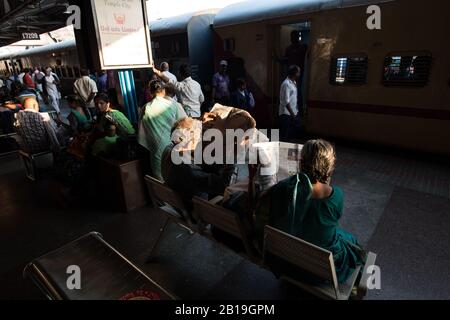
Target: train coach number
<point>30,36</point>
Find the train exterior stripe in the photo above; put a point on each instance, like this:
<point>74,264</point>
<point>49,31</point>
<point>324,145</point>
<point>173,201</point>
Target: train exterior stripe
<point>424,113</point>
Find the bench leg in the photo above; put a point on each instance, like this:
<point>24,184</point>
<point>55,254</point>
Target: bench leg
<point>158,240</point>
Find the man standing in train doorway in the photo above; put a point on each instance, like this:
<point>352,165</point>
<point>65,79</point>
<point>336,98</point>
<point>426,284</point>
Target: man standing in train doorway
<point>289,111</point>
<point>221,85</point>
<point>295,56</point>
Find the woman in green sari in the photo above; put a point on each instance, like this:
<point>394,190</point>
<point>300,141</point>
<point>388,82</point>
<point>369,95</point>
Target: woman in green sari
<point>308,207</point>
<point>79,117</point>
<point>109,116</point>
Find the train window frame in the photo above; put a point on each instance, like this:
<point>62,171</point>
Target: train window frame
<point>229,44</point>
<point>63,72</point>
<point>77,72</point>
<point>333,78</point>
<point>57,71</point>
<point>70,73</point>
<point>405,83</point>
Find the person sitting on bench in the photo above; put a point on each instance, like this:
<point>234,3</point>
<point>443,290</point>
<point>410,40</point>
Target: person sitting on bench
<point>189,179</point>
<point>308,207</point>
<point>38,133</point>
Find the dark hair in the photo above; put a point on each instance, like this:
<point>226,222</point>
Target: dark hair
<point>74,99</point>
<point>185,71</point>
<point>84,72</point>
<point>156,86</point>
<point>102,96</point>
<point>318,159</point>
<point>170,90</point>
<point>240,82</point>
<point>293,70</point>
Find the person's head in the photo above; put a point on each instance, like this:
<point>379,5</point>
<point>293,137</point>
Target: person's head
<point>164,66</point>
<point>185,71</point>
<point>170,90</point>
<point>31,104</point>
<point>74,102</point>
<point>84,72</point>
<point>102,102</point>
<point>157,88</point>
<point>48,71</point>
<point>318,159</point>
<point>223,66</point>
<point>241,84</point>
<point>26,70</point>
<point>295,37</point>
<point>294,72</point>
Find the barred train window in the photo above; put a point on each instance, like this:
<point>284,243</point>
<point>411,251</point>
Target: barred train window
<point>407,70</point>
<point>348,70</point>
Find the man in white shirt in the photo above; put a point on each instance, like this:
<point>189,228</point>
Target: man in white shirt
<point>86,89</point>
<point>288,103</point>
<point>166,71</point>
<point>188,90</point>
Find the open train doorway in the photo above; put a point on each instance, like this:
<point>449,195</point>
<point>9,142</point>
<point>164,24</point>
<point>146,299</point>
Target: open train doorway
<point>292,44</point>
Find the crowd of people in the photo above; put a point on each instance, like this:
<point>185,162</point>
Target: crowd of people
<point>305,205</point>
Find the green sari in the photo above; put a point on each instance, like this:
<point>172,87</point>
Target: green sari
<point>83,123</point>
<point>289,207</point>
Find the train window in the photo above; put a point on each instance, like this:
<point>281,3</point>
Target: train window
<point>58,71</point>
<point>407,70</point>
<point>76,72</point>
<point>229,44</point>
<point>64,72</point>
<point>70,72</point>
<point>349,70</point>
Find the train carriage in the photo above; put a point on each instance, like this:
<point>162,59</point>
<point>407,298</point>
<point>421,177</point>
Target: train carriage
<point>387,86</point>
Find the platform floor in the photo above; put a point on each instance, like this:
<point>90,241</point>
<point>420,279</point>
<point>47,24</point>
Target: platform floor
<point>398,207</point>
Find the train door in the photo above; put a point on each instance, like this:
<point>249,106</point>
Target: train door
<point>291,46</point>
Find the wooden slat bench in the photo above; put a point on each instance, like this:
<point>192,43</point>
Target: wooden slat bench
<point>313,261</point>
<point>105,274</point>
<point>299,254</point>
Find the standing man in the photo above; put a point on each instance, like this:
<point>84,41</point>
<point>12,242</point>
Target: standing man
<point>86,89</point>
<point>28,80</point>
<point>189,91</point>
<point>51,82</point>
<point>296,55</point>
<point>103,82</point>
<point>165,69</point>
<point>289,103</point>
<point>221,85</point>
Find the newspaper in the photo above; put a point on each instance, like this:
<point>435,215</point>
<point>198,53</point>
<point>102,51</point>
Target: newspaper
<point>279,160</point>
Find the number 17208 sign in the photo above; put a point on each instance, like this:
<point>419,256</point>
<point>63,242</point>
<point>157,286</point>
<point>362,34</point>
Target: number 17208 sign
<point>30,36</point>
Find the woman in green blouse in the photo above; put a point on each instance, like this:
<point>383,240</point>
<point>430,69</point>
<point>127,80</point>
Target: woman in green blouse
<point>109,116</point>
<point>308,207</point>
<point>79,117</point>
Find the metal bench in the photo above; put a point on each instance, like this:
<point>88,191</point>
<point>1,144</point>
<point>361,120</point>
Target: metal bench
<point>105,274</point>
<point>316,262</point>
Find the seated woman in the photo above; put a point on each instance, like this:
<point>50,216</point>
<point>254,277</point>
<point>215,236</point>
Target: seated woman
<point>108,115</point>
<point>308,207</point>
<point>79,117</point>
